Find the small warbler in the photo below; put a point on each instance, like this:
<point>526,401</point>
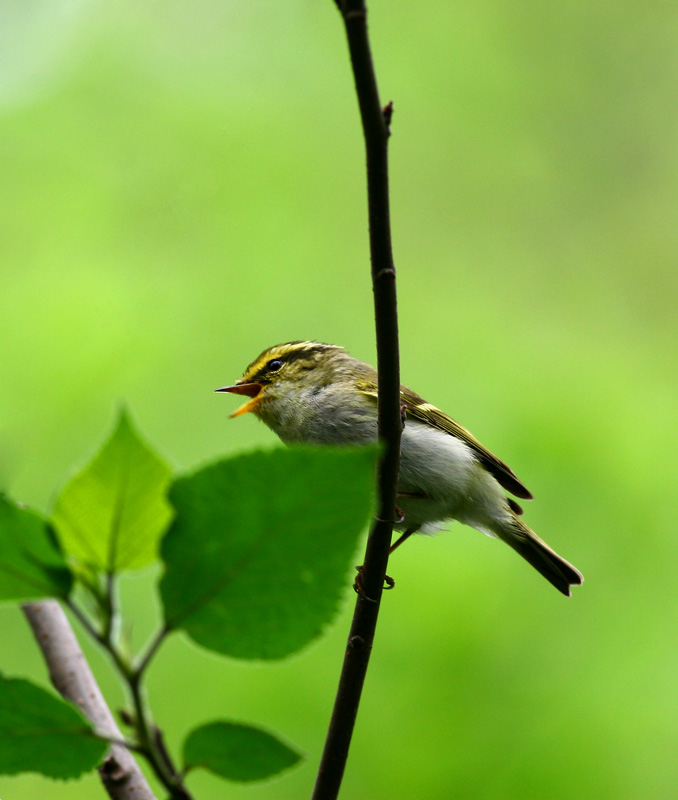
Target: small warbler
<point>316,393</point>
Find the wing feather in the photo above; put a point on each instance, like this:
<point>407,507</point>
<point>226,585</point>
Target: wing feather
<point>416,407</point>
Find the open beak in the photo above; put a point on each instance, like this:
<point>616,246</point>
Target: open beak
<point>252,390</point>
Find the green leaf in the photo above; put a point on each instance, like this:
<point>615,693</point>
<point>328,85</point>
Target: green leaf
<point>258,554</point>
<point>41,733</point>
<point>31,565</point>
<point>112,514</point>
<point>237,752</point>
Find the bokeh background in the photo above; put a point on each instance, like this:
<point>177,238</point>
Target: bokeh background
<point>182,186</point>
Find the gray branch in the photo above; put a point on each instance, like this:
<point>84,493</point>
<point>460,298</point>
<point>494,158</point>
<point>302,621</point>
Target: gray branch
<point>72,677</point>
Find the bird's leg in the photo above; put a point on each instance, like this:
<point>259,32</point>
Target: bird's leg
<point>388,580</point>
<point>405,535</point>
<point>401,518</point>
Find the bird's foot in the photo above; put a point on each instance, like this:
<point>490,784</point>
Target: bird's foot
<point>358,587</point>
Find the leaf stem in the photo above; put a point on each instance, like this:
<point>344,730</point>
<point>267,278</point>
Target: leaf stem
<point>151,650</point>
<point>83,619</point>
<point>103,637</point>
<point>108,607</point>
<point>375,124</point>
<point>149,736</point>
<point>150,742</point>
<point>133,746</point>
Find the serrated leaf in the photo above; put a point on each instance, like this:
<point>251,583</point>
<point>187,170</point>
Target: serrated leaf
<point>238,752</point>
<point>31,565</point>
<point>259,551</point>
<point>111,515</point>
<point>41,733</point>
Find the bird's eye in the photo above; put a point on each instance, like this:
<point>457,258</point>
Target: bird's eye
<point>274,365</point>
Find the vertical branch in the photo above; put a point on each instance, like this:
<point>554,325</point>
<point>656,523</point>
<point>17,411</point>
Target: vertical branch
<point>72,677</point>
<point>375,123</point>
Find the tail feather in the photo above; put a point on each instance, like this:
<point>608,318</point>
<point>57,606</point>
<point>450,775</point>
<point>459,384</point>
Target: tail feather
<point>536,552</point>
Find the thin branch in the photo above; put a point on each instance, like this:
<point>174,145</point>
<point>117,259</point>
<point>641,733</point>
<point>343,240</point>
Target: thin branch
<point>103,638</point>
<point>148,739</point>
<point>84,620</point>
<point>375,123</point>
<point>133,746</point>
<point>71,675</point>
<point>108,608</point>
<point>151,649</point>
<point>161,747</point>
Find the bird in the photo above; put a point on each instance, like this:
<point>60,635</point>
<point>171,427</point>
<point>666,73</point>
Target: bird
<point>316,393</point>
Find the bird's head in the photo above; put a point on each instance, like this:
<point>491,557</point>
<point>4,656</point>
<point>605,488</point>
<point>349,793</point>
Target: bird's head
<point>286,369</point>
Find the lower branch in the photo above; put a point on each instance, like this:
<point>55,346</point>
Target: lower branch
<point>72,677</point>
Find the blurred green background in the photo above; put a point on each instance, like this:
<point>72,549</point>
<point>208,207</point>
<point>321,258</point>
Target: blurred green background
<point>183,186</point>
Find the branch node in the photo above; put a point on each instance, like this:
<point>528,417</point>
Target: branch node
<point>126,717</point>
<point>387,112</point>
<point>111,771</point>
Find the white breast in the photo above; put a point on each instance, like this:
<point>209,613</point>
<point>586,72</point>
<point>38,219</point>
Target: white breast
<point>434,462</point>
<point>446,470</point>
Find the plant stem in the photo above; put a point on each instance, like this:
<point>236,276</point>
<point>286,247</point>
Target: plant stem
<point>375,123</point>
<point>108,608</point>
<point>102,637</point>
<point>151,650</point>
<point>146,732</point>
